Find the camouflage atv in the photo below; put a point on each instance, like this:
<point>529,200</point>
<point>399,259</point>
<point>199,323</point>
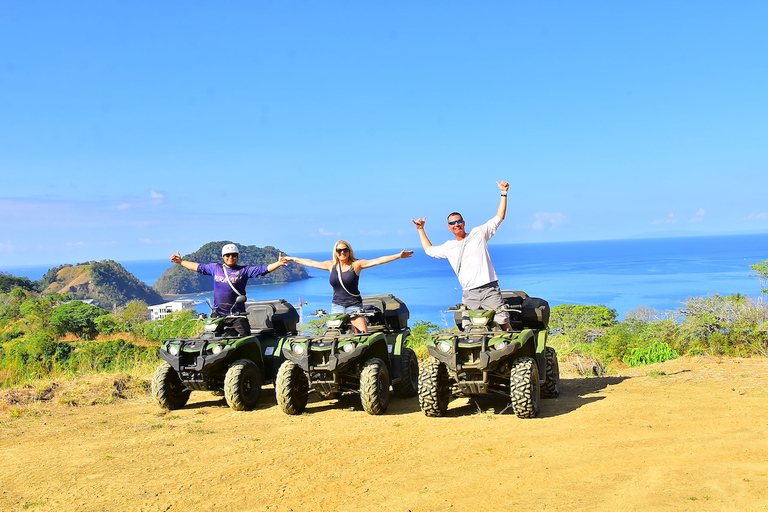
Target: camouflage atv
<point>222,361</point>
<point>485,360</point>
<point>340,360</point>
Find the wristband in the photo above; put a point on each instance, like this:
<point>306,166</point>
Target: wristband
<point>504,195</point>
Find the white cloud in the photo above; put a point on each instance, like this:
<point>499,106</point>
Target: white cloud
<point>145,241</point>
<point>156,195</point>
<point>323,232</point>
<point>757,216</point>
<point>6,247</point>
<point>671,219</point>
<point>699,216</point>
<point>547,220</point>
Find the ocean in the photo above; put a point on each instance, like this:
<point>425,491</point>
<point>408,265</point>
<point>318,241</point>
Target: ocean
<point>658,273</point>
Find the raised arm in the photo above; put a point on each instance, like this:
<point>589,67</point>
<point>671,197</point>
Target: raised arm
<point>419,223</point>
<point>189,265</point>
<point>322,265</point>
<point>361,264</point>
<point>501,212</point>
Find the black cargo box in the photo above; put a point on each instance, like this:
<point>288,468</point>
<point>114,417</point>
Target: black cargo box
<point>279,315</point>
<point>395,311</point>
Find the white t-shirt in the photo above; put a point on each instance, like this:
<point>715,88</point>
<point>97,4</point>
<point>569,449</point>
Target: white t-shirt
<point>476,266</point>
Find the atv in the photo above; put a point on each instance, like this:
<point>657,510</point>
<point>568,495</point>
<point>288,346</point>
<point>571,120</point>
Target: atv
<point>483,359</point>
<point>340,360</point>
<point>222,361</point>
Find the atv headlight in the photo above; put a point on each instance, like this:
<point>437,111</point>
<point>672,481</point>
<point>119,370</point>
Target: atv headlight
<point>500,345</point>
<point>298,348</point>
<point>217,349</point>
<point>334,323</point>
<point>349,347</point>
<point>444,346</point>
<point>173,350</point>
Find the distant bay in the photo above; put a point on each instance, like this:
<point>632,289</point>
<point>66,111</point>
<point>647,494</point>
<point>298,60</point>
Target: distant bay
<point>659,273</point>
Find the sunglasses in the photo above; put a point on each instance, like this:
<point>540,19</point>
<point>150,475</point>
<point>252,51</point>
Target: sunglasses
<point>454,222</point>
<point>340,251</point>
<point>231,255</point>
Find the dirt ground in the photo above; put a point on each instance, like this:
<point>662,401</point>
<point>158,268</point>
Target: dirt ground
<point>685,435</point>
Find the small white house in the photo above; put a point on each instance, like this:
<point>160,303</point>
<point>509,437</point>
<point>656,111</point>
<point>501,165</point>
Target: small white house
<point>160,311</point>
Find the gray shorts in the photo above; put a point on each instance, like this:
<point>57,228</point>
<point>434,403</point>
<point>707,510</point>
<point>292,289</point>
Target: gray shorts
<point>487,296</point>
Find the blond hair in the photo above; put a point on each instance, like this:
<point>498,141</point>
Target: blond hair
<point>336,255</point>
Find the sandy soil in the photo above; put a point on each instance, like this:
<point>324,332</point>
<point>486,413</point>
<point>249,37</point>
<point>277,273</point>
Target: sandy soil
<point>690,434</point>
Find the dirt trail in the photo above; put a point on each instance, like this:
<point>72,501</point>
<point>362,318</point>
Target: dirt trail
<point>694,438</point>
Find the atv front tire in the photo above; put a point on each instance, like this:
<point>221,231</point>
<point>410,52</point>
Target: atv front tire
<point>242,385</point>
<point>551,387</point>
<point>409,375</point>
<point>524,387</point>
<point>374,386</point>
<point>167,388</point>
<point>291,388</point>
<point>434,388</point>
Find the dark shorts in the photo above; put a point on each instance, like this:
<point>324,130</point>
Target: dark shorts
<point>486,297</point>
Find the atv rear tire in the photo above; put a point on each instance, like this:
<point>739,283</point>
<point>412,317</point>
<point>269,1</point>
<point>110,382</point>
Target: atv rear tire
<point>409,375</point>
<point>374,386</point>
<point>167,388</point>
<point>434,388</point>
<point>242,385</point>
<point>291,388</point>
<point>551,387</point>
<point>524,387</point>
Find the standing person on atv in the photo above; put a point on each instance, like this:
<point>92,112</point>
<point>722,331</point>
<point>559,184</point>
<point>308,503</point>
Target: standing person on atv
<point>469,257</point>
<point>229,281</point>
<point>345,275</point>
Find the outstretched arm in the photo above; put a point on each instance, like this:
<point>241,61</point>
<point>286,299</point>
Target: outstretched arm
<point>282,260</point>
<point>419,223</point>
<point>361,264</point>
<point>322,265</point>
<point>189,265</point>
<point>501,212</point>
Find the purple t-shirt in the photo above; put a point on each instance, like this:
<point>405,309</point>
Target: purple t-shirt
<point>223,295</point>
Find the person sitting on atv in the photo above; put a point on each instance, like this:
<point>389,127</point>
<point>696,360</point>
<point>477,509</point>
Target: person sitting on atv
<point>229,282</point>
<point>345,271</point>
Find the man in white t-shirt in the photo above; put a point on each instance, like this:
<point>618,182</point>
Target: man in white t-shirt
<point>469,257</point>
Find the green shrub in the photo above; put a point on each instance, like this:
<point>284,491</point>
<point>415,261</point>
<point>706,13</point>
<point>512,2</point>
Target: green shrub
<point>655,353</point>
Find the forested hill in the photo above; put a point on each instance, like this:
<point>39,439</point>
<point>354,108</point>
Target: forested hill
<point>177,279</point>
<point>107,282</point>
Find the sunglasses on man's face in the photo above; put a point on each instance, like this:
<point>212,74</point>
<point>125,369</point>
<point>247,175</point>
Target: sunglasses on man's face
<point>454,222</point>
<point>231,255</point>
<point>341,251</point>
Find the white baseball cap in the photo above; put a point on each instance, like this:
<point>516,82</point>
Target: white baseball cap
<point>229,249</point>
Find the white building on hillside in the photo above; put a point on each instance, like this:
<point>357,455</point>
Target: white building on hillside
<point>160,311</point>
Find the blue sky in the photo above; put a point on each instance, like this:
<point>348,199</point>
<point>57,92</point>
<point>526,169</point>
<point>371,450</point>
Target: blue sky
<point>134,129</point>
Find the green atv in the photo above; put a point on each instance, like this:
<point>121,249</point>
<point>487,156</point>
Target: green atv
<point>222,361</point>
<point>485,360</point>
<point>340,360</point>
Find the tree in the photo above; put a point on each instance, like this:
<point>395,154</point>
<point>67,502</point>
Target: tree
<point>135,312</point>
<point>566,317</point>
<point>77,318</point>
<point>761,273</point>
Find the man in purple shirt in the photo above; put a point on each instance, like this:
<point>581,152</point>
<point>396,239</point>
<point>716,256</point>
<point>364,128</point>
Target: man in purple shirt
<point>229,281</point>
